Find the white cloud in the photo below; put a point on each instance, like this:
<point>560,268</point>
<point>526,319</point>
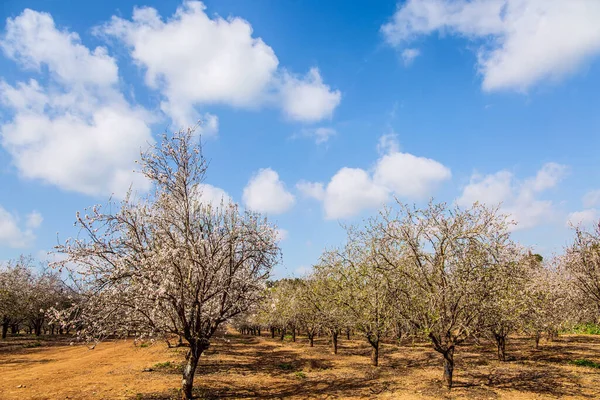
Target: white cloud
<point>34,220</point>
<point>266,193</point>
<point>409,55</point>
<point>195,60</point>
<point>410,176</point>
<point>14,236</point>
<point>209,194</point>
<point>585,217</point>
<point>308,99</point>
<point>352,190</point>
<point>320,135</point>
<point>311,189</point>
<point>592,199</point>
<point>32,40</point>
<point>521,41</point>
<point>548,176</point>
<point>388,144</point>
<point>76,131</point>
<point>519,199</point>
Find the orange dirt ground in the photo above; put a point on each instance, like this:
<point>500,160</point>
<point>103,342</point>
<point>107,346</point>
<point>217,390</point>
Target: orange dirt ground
<point>245,367</point>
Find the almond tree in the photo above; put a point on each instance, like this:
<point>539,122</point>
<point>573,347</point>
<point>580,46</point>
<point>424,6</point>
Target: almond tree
<point>323,306</point>
<point>362,291</point>
<point>166,263</point>
<point>15,288</point>
<point>507,306</point>
<point>447,262</point>
<point>550,304</point>
<point>582,261</point>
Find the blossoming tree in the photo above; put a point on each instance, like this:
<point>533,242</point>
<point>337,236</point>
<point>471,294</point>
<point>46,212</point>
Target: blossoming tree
<point>168,263</point>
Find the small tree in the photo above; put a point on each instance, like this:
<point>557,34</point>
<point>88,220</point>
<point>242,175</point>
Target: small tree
<point>16,281</point>
<point>361,289</point>
<point>323,305</point>
<point>506,308</point>
<point>168,264</point>
<point>582,261</point>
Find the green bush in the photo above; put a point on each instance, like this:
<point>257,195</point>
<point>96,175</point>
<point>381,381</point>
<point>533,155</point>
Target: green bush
<point>166,364</point>
<point>285,366</point>
<point>586,363</point>
<point>300,375</point>
<point>587,329</point>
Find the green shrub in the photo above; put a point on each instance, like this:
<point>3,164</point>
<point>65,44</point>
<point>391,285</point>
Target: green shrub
<point>34,344</point>
<point>166,364</point>
<point>587,329</point>
<point>145,345</point>
<point>285,366</point>
<point>300,375</point>
<point>586,363</point>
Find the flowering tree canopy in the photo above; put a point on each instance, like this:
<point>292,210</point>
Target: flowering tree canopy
<point>168,263</point>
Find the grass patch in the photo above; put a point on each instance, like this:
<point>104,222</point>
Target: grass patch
<point>30,345</point>
<point>145,345</point>
<point>166,364</point>
<point>586,363</point>
<point>300,375</point>
<point>586,329</point>
<point>285,366</point>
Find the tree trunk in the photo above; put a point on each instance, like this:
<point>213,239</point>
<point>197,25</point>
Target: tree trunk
<point>192,357</point>
<point>448,367</point>
<point>258,331</point>
<point>374,352</point>
<point>501,343</point>
<point>537,340</point>
<point>14,329</point>
<point>334,340</point>
<point>282,334</point>
<point>348,333</point>
<point>311,337</point>
<point>4,329</point>
<point>293,334</point>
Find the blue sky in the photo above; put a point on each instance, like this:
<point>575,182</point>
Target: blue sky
<point>316,113</point>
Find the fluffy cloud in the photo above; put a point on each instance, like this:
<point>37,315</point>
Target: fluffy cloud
<point>591,199</point>
<point>352,190</point>
<point>34,220</point>
<point>209,194</point>
<point>266,193</point>
<point>215,61</point>
<point>12,234</point>
<point>585,217</point>
<point>314,190</point>
<point>308,99</point>
<point>521,41</point>
<point>590,215</point>
<point>76,131</point>
<point>519,199</point>
<point>409,176</point>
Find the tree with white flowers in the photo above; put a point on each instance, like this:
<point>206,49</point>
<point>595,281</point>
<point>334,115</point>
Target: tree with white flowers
<point>447,264</point>
<point>15,288</point>
<point>582,261</point>
<point>167,263</point>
